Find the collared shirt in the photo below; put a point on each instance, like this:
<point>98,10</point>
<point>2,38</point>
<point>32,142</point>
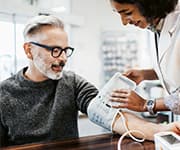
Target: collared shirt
<point>158,27</point>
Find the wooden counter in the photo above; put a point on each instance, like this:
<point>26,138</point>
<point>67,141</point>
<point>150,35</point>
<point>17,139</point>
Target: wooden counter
<point>98,142</point>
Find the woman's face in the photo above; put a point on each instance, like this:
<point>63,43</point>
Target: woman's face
<point>130,14</point>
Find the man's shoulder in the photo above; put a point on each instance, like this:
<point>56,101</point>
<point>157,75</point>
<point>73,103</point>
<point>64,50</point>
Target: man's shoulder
<point>8,81</point>
<point>6,86</point>
<point>13,80</point>
<point>70,75</point>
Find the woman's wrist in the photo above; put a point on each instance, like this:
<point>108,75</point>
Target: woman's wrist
<point>144,109</point>
<point>149,74</point>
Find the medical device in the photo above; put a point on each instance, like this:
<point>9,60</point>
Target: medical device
<point>167,141</point>
<point>100,110</point>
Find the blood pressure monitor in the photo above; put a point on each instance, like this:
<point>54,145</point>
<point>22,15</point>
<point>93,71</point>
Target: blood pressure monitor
<point>100,110</point>
<point>167,141</point>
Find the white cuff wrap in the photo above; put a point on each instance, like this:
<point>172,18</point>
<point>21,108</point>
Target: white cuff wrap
<point>100,110</point>
<point>101,113</point>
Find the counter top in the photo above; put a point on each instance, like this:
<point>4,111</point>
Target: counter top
<point>96,142</point>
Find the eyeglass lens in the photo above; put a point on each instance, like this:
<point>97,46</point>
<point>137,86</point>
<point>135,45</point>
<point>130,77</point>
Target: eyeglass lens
<point>56,52</point>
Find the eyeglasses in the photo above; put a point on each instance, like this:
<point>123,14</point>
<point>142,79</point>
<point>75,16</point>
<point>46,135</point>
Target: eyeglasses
<point>55,50</point>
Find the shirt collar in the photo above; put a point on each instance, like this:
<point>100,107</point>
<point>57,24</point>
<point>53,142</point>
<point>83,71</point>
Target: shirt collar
<point>158,27</point>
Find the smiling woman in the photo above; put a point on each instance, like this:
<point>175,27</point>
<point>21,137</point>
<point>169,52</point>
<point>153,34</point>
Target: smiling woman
<point>150,9</point>
<point>162,17</point>
<point>130,14</point>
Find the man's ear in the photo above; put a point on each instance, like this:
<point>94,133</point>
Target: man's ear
<point>27,49</point>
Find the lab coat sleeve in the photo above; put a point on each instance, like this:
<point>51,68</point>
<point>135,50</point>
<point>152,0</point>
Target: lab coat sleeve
<point>173,101</point>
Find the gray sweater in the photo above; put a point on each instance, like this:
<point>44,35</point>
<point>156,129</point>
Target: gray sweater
<point>42,111</point>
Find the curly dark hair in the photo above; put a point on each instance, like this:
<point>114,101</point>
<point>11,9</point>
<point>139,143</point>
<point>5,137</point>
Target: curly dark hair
<point>152,9</point>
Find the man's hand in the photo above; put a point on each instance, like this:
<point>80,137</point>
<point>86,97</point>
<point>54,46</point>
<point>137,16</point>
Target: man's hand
<point>174,127</point>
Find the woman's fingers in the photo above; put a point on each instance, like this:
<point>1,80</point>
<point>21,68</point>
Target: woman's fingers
<point>121,93</point>
<point>120,105</point>
<point>124,98</point>
<point>118,99</point>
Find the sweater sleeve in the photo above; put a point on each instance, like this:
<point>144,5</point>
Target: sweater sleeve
<point>3,134</point>
<point>85,92</point>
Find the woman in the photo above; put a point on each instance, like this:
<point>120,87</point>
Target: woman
<point>163,18</point>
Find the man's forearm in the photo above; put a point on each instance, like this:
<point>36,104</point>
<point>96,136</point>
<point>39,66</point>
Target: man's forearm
<point>147,128</point>
<point>135,123</point>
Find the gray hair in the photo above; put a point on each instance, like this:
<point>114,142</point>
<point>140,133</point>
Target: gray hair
<point>35,24</point>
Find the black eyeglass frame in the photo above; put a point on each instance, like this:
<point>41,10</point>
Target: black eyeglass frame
<point>52,48</point>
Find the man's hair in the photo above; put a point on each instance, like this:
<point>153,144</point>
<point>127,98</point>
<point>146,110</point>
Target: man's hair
<point>152,9</point>
<point>35,24</point>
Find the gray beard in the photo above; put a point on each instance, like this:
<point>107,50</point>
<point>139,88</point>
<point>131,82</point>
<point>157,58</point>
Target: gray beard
<point>41,66</point>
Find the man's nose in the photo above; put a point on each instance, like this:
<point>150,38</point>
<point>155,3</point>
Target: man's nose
<point>125,20</point>
<point>63,56</point>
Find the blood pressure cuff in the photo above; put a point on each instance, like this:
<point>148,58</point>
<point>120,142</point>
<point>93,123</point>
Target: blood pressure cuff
<point>101,113</point>
<point>100,110</point>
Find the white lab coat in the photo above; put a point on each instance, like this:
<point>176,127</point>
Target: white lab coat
<point>169,52</point>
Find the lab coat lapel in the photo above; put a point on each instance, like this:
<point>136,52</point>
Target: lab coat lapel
<point>165,40</point>
<point>167,66</point>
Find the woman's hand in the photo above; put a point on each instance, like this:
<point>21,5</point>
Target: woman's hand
<point>135,75</point>
<point>128,99</point>
<point>139,75</point>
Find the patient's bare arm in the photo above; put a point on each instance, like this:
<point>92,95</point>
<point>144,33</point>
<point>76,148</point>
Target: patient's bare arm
<point>148,128</point>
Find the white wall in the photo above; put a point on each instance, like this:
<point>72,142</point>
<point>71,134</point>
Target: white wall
<point>86,38</point>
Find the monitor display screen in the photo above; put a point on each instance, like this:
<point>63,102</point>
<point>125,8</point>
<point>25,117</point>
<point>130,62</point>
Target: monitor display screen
<point>171,139</point>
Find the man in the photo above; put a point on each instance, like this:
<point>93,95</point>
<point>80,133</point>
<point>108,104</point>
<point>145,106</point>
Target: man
<point>41,102</point>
